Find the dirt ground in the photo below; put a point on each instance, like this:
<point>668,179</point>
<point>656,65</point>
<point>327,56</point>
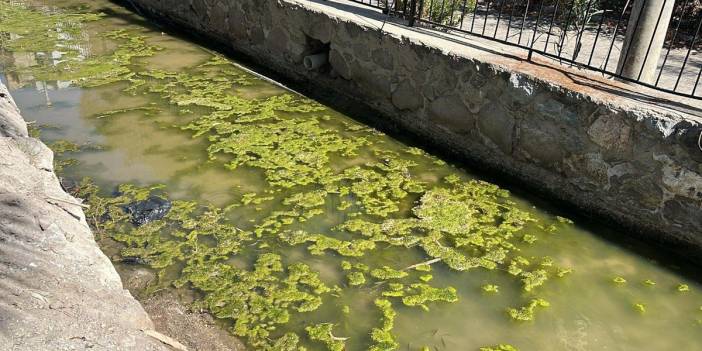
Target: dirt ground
<point>172,315</point>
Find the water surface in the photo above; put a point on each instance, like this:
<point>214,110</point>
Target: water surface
<point>130,130</point>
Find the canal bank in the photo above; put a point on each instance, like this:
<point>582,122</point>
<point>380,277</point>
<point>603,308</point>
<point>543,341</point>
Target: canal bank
<point>59,291</point>
<point>614,151</point>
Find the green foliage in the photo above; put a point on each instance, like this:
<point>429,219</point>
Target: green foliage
<point>447,12</point>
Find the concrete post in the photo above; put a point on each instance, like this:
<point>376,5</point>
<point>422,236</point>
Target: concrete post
<point>645,36</point>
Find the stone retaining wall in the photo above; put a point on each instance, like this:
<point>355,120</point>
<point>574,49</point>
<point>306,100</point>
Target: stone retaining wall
<point>613,156</point>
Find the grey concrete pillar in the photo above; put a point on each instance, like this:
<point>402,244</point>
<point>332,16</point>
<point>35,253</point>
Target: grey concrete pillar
<point>645,36</point>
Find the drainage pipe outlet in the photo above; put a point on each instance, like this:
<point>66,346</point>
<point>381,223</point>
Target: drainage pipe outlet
<point>315,61</point>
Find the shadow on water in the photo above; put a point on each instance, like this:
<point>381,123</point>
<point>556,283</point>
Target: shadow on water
<point>682,259</point>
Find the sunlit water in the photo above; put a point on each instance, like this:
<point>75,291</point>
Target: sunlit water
<point>588,310</point>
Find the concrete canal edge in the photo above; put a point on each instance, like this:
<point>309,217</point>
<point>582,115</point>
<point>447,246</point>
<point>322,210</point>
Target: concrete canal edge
<point>59,291</point>
<point>619,152</point>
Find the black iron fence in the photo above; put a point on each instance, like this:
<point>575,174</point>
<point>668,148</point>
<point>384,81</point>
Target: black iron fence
<point>650,42</point>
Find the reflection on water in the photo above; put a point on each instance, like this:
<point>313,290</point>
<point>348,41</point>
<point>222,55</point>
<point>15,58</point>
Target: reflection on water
<point>144,144</point>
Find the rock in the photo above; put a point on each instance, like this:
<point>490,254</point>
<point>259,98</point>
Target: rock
<point>11,123</point>
<point>611,133</point>
<point>407,97</point>
<point>497,124</point>
<point>540,144</point>
<point>382,58</point>
<point>450,112</point>
<point>278,40</point>
<point>551,109</point>
<point>448,108</point>
<point>679,180</point>
<point>137,279</point>
<point>683,211</point>
<point>149,210</point>
<point>339,64</point>
<point>133,260</point>
<point>69,185</point>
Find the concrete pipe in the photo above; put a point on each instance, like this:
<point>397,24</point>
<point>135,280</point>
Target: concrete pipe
<point>315,61</point>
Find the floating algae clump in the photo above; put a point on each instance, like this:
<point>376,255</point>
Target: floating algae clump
<point>491,288</point>
<point>323,332</point>
<point>619,280</point>
<point>386,273</point>
<point>534,279</point>
<point>683,288</point>
<point>526,313</point>
<point>382,336</point>
<point>421,293</point>
<point>356,278</point>
<point>500,347</point>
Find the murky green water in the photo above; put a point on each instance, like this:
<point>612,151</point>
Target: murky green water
<point>315,196</point>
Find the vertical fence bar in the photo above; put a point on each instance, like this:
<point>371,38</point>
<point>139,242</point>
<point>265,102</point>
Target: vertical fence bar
<point>672,41</point>
<point>536,27</point>
<point>487,10</point>
<point>564,31</point>
<point>441,12</point>
<point>509,23</point>
<point>463,13</point>
<point>550,26</point>
<point>614,35</point>
<point>597,36</point>
<point>499,16</point>
<point>694,87</point>
<point>475,11</point>
<point>576,49</point>
<point>413,9</point>
<point>521,30</point>
<point>692,45</point>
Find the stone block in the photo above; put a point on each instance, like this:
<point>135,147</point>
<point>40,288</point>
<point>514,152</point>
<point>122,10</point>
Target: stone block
<point>407,97</point>
<point>451,113</point>
<point>339,64</point>
<point>497,124</point>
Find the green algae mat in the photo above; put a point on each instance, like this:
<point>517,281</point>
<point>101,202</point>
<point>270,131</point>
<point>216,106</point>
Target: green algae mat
<point>302,229</point>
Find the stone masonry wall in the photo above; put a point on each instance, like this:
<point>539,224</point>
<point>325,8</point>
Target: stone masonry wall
<point>639,165</point>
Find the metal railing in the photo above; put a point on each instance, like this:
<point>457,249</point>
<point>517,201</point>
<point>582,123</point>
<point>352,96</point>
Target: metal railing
<point>649,42</point>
